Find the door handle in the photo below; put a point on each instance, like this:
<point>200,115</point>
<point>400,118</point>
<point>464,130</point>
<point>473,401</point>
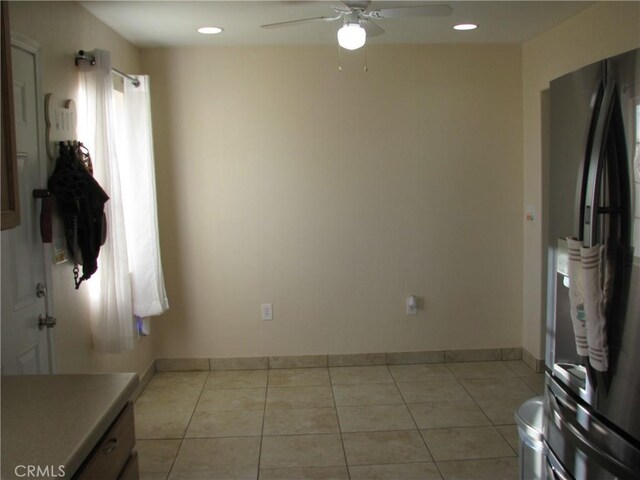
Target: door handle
<point>596,163</point>
<point>583,171</point>
<point>46,229</point>
<point>46,321</point>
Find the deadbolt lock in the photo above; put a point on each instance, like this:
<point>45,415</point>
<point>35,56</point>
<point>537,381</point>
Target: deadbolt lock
<point>46,321</point>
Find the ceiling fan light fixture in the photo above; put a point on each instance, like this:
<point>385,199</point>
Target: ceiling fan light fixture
<point>209,30</point>
<point>465,26</point>
<point>352,36</point>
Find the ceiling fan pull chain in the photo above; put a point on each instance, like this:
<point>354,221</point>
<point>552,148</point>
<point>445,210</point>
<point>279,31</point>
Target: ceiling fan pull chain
<point>366,59</point>
<point>339,59</point>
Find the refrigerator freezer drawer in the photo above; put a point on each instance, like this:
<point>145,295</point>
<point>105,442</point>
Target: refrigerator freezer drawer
<point>586,446</point>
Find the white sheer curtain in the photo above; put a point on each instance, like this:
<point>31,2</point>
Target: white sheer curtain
<point>136,159</point>
<point>111,309</point>
<point>129,280</point>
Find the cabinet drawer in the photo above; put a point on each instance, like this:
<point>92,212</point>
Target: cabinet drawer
<point>113,450</point>
<point>130,471</point>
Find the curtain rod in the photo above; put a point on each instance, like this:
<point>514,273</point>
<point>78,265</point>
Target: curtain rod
<point>83,56</point>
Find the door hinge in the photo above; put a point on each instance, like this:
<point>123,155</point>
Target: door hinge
<point>46,321</point>
<point>41,290</point>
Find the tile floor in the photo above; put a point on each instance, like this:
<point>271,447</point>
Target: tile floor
<point>403,422</point>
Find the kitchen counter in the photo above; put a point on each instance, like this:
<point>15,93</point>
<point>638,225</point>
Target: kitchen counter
<point>55,421</point>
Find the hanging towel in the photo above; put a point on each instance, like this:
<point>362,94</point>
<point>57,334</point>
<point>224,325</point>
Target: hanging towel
<point>596,285</point>
<point>578,317</point>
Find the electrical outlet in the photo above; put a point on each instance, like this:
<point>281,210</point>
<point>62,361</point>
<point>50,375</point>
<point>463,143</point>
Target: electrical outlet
<point>412,305</point>
<point>267,311</point>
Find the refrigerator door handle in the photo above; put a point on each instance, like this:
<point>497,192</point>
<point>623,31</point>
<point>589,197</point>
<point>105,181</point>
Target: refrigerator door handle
<point>583,171</point>
<point>595,166</point>
<point>577,422</point>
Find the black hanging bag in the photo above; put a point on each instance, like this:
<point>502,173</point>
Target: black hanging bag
<point>80,200</point>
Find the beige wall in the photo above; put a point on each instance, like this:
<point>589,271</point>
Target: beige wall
<point>335,195</point>
<point>63,28</point>
<point>603,30</point>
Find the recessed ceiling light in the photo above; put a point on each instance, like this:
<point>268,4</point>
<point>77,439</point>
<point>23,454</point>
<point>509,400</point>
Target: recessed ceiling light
<point>209,30</point>
<point>465,26</point>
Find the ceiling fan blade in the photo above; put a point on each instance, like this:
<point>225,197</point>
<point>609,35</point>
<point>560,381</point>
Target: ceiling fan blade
<point>417,11</point>
<point>300,21</point>
<point>371,28</point>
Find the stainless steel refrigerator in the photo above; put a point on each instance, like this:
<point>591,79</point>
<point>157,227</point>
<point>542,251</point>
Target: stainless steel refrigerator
<point>592,397</point>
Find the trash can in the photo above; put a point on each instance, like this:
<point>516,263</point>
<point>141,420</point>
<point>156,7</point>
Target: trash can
<point>529,417</point>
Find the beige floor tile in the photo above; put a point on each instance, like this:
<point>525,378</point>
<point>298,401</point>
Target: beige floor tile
<point>510,434</point>
<point>448,414</point>
<point>372,448</point>
<point>157,456</point>
<point>302,451</point>
<point>162,403</point>
<point>232,399</point>
<point>519,368</point>
<point>299,397</point>
<point>420,373</point>
<point>367,394</point>
<point>501,410</point>
<point>535,382</point>
<point>172,397</point>
<point>152,476</point>
<point>175,391</point>
<point>161,425</point>
<point>360,375</point>
<point>305,473</point>
<point>373,418</point>
<point>407,471</point>
<point>217,459</point>
<point>171,392</point>
<point>222,412</point>
<point>299,377</point>
<point>237,379</point>
<point>433,391</point>
<point>489,469</point>
<point>480,370</point>
<point>232,423</point>
<point>496,388</point>
<point>466,443</point>
<point>299,421</point>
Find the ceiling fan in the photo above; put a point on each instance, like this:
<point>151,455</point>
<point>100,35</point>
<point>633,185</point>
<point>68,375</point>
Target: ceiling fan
<point>357,20</point>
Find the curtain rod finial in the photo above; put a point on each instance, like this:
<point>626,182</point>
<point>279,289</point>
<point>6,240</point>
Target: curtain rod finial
<point>82,56</point>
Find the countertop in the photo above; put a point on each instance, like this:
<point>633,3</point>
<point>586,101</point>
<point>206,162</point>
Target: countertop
<point>55,421</point>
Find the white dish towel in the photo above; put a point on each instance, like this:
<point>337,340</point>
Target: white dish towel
<point>596,285</point>
<point>589,292</point>
<point>576,297</point>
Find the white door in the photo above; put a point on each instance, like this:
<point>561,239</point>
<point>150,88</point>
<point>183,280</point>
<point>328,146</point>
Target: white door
<point>25,347</point>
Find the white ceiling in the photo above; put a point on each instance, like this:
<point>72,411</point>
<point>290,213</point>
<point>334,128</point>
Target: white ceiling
<point>174,23</point>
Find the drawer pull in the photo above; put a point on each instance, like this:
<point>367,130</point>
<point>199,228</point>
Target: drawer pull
<point>110,445</point>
